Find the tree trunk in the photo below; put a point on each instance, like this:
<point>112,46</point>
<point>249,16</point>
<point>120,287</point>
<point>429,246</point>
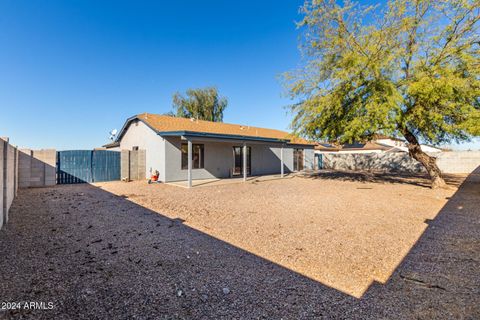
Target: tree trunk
<point>430,163</point>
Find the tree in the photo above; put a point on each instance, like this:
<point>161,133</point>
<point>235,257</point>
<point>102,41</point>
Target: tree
<point>202,104</point>
<point>407,68</point>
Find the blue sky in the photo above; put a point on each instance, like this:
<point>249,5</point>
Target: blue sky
<point>70,71</point>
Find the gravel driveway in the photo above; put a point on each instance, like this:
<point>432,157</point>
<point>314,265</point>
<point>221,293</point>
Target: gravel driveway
<point>293,249</point>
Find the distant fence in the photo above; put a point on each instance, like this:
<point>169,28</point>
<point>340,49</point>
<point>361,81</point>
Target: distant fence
<point>8,178</point>
<point>459,161</point>
<point>86,166</point>
<point>47,167</point>
<point>448,162</point>
<point>28,168</point>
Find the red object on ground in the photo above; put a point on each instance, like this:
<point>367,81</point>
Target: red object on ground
<point>154,178</point>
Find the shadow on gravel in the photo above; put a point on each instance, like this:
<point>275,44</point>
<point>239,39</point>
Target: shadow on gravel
<point>420,180</point>
<point>99,256</point>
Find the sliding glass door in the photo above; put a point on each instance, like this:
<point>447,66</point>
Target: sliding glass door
<point>238,161</point>
<point>297,159</point>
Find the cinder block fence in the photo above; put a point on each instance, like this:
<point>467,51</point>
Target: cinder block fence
<point>37,168</point>
<point>133,164</point>
<point>8,178</point>
<point>401,162</point>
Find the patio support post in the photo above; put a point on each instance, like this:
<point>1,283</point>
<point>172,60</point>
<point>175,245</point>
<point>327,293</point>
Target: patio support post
<point>281,161</point>
<point>189,163</point>
<point>244,162</point>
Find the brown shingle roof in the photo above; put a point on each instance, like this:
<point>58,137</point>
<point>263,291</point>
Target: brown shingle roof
<point>163,123</point>
<point>366,146</point>
<point>326,147</point>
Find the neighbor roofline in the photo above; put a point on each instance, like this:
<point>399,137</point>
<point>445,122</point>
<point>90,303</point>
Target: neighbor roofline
<point>112,144</point>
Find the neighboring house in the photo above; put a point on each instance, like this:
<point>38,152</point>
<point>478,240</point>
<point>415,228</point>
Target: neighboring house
<point>368,147</point>
<point>402,145</point>
<point>184,149</point>
<point>379,145</point>
<point>323,147</point>
<point>113,146</point>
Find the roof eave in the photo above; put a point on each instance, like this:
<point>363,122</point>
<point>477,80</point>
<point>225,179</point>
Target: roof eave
<point>127,123</point>
<point>219,136</point>
<point>112,144</point>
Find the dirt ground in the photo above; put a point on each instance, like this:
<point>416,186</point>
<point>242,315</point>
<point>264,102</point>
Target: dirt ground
<point>343,234</point>
<point>337,245</point>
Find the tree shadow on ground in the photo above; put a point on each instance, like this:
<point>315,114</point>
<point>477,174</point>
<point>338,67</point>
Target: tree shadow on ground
<point>98,255</point>
<point>420,180</point>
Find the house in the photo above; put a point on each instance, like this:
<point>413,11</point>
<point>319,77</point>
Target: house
<point>380,144</point>
<point>182,149</point>
<point>367,147</point>
<point>401,145</point>
<point>324,147</point>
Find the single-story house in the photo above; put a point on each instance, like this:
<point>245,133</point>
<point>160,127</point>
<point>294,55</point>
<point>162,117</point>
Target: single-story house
<point>367,147</point>
<point>379,144</point>
<point>402,145</point>
<point>182,149</point>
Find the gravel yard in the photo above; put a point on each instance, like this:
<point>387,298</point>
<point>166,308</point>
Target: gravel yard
<point>332,246</point>
<point>342,234</point>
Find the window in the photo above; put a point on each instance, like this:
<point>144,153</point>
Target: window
<point>197,156</point>
<point>135,148</point>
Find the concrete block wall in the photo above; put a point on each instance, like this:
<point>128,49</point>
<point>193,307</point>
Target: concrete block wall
<point>8,178</point>
<point>384,162</point>
<point>125,164</point>
<point>24,167</point>
<point>140,165</point>
<point>37,168</point>
<point>459,161</point>
<point>448,162</point>
<point>133,164</point>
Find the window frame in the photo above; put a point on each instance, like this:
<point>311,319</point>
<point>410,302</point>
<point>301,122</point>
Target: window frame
<point>200,147</point>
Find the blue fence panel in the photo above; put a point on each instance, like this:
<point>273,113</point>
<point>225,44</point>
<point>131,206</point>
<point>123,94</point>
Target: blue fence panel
<point>105,165</point>
<point>86,166</point>
<point>74,166</point>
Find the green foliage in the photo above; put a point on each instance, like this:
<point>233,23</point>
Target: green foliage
<point>202,104</point>
<point>406,66</point>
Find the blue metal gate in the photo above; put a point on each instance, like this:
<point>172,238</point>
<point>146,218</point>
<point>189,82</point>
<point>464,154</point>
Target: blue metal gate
<point>105,165</point>
<point>86,166</point>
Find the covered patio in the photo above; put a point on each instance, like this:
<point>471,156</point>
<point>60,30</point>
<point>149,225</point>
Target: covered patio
<point>226,181</point>
<point>245,164</point>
